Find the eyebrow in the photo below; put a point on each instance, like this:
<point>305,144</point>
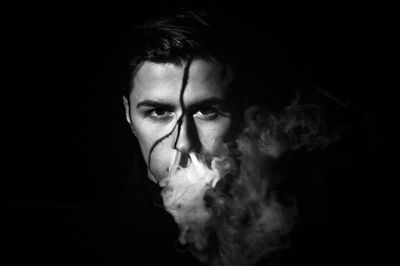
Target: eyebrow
<point>152,103</point>
<point>205,102</point>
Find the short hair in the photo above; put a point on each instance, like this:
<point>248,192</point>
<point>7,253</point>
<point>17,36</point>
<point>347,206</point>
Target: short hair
<point>174,39</point>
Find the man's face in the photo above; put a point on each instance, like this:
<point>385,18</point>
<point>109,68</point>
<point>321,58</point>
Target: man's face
<point>167,114</point>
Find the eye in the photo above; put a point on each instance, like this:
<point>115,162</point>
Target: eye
<point>159,114</point>
<point>207,113</point>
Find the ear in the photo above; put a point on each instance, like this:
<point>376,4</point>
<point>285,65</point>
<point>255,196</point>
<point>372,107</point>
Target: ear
<point>127,109</point>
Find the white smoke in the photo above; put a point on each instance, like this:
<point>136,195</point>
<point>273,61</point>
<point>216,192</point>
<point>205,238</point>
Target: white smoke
<point>183,196</point>
<point>225,208</point>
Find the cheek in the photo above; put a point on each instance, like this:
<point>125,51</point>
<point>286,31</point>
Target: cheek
<point>147,134</point>
<point>161,159</point>
<point>213,134</point>
<point>145,145</point>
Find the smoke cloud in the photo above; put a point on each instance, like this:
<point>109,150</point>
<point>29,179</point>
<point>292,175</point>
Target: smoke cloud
<point>225,207</point>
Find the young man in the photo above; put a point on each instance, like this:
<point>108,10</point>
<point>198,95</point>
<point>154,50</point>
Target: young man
<point>180,96</point>
<point>177,91</point>
<point>184,77</point>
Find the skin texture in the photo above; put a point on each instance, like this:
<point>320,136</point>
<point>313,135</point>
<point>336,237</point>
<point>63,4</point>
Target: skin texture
<point>166,113</point>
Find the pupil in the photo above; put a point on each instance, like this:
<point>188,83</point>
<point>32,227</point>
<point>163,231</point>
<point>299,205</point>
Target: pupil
<point>159,112</point>
<point>206,111</point>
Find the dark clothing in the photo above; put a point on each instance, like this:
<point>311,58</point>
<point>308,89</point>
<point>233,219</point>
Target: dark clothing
<point>137,229</point>
<point>125,226</point>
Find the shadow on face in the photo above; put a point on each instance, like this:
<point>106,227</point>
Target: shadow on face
<point>181,108</point>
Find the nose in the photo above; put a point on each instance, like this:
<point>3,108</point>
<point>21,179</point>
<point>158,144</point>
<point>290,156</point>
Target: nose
<point>186,139</point>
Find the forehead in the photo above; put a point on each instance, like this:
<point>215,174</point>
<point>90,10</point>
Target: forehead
<point>163,82</point>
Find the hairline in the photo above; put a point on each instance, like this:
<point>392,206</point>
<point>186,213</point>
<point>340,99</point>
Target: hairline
<point>178,62</point>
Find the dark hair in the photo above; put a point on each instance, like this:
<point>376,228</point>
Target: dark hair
<point>173,39</point>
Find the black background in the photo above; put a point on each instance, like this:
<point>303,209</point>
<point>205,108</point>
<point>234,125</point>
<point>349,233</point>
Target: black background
<point>69,143</point>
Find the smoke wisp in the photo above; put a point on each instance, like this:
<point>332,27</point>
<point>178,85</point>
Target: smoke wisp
<point>225,207</point>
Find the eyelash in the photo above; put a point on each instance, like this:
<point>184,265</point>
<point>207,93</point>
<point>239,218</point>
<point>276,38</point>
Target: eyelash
<point>214,113</point>
<point>167,114</point>
<point>152,114</point>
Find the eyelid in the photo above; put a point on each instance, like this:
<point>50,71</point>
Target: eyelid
<point>214,113</point>
<point>157,107</point>
<point>153,104</point>
<point>150,113</point>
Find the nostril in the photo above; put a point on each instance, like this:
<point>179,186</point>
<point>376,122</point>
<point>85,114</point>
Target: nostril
<point>179,158</point>
<point>184,160</point>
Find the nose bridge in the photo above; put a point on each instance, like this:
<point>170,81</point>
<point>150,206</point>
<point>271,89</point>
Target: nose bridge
<point>185,137</point>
